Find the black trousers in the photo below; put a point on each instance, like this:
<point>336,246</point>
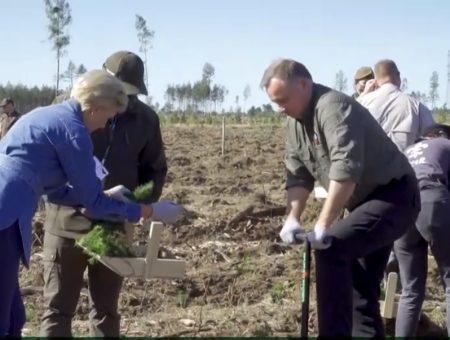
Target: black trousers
<point>350,271</point>
<point>432,228</point>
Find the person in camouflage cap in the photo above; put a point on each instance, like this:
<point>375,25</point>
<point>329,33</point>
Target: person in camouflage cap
<point>362,75</point>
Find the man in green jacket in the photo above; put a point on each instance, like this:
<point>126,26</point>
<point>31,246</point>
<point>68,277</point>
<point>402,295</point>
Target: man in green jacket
<point>333,139</point>
<point>131,149</point>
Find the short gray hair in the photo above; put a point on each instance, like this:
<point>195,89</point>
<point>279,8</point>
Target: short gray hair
<point>386,67</point>
<point>284,69</point>
<point>98,86</point>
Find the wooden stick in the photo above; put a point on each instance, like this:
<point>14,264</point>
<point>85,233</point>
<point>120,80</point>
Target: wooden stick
<point>223,135</point>
<point>388,307</point>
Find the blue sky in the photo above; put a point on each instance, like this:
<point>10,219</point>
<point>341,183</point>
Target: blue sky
<point>239,38</point>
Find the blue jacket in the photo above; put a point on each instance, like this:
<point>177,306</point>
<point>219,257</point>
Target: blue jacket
<point>49,152</point>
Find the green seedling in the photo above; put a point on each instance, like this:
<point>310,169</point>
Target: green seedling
<point>107,238</point>
<point>182,299</point>
<point>279,291</point>
<point>382,292</point>
<point>141,193</point>
<point>246,264</point>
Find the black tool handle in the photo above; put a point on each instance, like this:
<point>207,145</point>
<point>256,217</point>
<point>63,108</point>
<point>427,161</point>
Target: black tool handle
<point>306,277</point>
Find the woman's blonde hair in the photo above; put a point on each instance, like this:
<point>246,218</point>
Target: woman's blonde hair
<point>98,86</point>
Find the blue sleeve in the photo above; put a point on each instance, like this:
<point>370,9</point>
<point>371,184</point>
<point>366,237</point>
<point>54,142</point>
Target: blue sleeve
<point>63,196</point>
<point>76,158</point>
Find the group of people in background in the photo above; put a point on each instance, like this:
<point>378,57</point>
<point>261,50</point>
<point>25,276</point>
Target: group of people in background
<point>379,154</point>
<point>410,125</point>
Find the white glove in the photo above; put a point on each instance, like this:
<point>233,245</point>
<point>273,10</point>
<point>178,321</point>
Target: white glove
<point>319,238</point>
<point>166,211</point>
<point>119,192</point>
<point>291,230</point>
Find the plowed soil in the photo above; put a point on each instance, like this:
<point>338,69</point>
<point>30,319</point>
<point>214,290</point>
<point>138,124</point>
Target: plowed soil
<point>240,279</point>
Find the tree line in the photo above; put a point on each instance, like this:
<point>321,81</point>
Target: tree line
<point>27,98</point>
<point>203,96</point>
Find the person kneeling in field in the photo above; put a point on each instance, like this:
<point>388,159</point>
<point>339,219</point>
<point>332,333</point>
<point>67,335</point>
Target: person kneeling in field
<point>430,158</point>
<point>332,138</point>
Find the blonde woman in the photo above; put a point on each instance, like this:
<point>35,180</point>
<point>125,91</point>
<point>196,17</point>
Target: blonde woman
<point>49,152</point>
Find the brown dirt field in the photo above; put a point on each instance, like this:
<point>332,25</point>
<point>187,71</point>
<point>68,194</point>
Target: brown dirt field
<point>240,280</point>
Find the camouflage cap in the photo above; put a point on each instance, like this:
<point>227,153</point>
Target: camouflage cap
<point>6,101</point>
<point>364,72</point>
<point>129,68</point>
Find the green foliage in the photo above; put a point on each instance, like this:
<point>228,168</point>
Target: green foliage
<point>81,69</point>
<point>27,98</point>
<point>145,37</point>
<point>434,85</point>
<point>202,95</point>
<point>142,192</point>
<point>341,82</point>
<point>194,118</point>
<point>107,238</point>
<point>247,92</point>
<point>442,115</point>
<point>59,18</point>
<point>72,72</point>
<point>246,265</point>
<point>404,85</point>
<point>144,34</point>
<point>280,290</point>
<point>182,299</point>
<point>382,292</point>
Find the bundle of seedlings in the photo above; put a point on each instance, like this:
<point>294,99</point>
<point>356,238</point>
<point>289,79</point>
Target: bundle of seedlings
<point>108,238</point>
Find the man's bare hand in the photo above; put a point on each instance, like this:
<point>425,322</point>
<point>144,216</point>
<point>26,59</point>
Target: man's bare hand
<point>371,85</point>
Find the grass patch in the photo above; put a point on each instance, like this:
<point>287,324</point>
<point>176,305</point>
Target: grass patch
<point>182,299</point>
<point>280,290</point>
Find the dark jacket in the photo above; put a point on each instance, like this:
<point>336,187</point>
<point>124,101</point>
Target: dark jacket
<point>338,139</point>
<point>133,153</point>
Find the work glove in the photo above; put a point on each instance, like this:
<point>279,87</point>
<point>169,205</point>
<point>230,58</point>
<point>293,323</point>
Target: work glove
<point>167,212</point>
<point>119,192</point>
<point>318,237</point>
<point>292,231</point>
